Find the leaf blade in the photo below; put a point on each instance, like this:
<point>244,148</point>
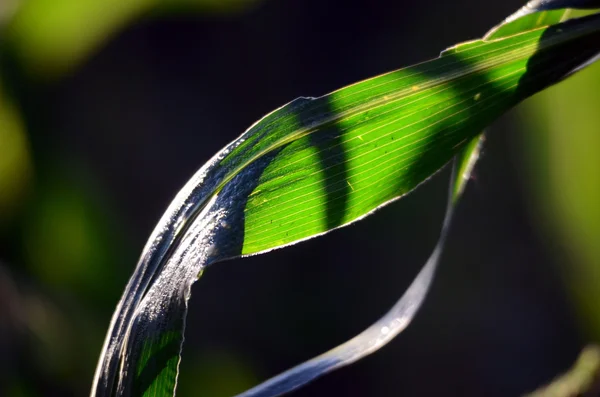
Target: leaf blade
<point>397,318</point>
<point>457,101</point>
<point>336,150</point>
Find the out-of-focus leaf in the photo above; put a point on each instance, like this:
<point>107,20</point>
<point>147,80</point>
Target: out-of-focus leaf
<point>7,10</point>
<point>563,147</point>
<point>582,380</point>
<point>49,37</point>
<point>67,239</point>
<point>317,164</point>
<point>15,162</point>
<point>215,373</point>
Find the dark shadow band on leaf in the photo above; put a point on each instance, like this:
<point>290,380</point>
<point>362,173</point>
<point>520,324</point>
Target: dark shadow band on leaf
<point>572,57</point>
<point>334,165</point>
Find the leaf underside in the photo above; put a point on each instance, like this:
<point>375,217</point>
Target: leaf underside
<point>316,164</point>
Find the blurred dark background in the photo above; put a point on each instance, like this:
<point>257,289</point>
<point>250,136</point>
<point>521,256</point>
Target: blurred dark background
<point>108,107</point>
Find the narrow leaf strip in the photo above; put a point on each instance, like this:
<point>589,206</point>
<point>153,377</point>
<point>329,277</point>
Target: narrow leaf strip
<point>547,5</point>
<point>394,321</point>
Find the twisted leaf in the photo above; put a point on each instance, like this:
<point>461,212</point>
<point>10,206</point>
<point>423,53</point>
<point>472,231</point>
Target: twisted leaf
<point>317,164</point>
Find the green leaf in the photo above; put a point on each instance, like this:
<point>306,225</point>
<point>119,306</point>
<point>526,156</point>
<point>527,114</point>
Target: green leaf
<point>397,318</point>
<point>464,166</point>
<point>534,6</point>
<point>526,22</point>
<point>317,164</point>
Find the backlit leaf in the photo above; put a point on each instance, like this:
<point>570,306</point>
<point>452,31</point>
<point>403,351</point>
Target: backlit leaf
<point>317,164</point>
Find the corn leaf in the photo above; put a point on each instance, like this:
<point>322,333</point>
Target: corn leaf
<point>547,5</point>
<point>317,164</point>
<point>402,313</point>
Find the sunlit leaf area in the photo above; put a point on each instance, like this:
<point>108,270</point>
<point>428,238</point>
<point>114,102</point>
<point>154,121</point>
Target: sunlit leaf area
<point>108,108</point>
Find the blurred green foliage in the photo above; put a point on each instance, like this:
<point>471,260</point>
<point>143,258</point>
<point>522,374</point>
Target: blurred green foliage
<point>220,374</point>
<point>15,163</point>
<point>562,150</point>
<point>583,379</point>
<point>68,238</point>
<point>50,37</point>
